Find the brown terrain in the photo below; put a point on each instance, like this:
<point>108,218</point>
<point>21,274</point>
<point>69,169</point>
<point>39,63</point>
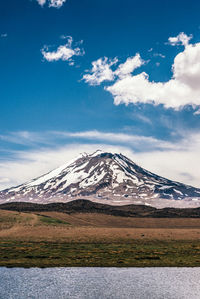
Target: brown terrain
<point>108,239</point>
<point>84,227</point>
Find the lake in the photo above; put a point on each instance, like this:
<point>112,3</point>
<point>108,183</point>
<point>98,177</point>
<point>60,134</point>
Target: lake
<point>139,283</point>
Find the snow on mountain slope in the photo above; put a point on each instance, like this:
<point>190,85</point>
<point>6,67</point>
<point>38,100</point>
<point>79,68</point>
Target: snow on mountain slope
<point>102,176</point>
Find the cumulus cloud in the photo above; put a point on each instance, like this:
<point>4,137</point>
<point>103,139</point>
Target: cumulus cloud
<point>129,66</point>
<point>181,90</point>
<point>52,3</point>
<point>56,3</point>
<point>101,71</point>
<point>41,2</point>
<point>64,52</point>
<point>181,39</point>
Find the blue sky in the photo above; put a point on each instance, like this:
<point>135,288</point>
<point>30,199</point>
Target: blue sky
<point>77,75</point>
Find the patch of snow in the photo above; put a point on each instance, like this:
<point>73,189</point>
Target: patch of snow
<point>177,191</point>
<point>93,179</point>
<point>50,175</point>
<point>98,152</point>
<point>165,187</point>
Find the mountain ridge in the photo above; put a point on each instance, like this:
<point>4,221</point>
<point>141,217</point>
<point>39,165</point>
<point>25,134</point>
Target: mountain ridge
<point>86,206</point>
<point>106,177</point>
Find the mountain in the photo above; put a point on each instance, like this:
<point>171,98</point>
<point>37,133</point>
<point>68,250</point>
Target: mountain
<point>104,177</point>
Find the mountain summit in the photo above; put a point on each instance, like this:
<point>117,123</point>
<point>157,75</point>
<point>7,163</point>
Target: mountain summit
<point>104,176</point>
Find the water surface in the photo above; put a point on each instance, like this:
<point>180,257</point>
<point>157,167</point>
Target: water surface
<point>92,283</point>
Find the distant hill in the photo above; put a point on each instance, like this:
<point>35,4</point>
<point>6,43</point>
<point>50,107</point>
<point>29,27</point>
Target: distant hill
<point>86,206</point>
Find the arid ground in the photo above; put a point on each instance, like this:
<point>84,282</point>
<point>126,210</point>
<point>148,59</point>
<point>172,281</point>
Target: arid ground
<point>46,239</point>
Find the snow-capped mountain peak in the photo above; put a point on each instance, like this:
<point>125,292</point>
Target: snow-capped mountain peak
<point>101,175</point>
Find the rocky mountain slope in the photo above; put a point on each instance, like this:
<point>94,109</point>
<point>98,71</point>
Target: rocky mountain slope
<point>104,176</point>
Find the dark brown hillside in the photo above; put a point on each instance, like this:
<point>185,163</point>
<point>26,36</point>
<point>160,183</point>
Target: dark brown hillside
<point>86,206</point>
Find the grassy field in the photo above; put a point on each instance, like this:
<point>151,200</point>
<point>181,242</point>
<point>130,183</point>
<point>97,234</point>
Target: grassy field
<point>51,239</point>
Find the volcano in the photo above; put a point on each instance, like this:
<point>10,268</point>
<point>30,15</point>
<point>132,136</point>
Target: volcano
<point>104,177</point>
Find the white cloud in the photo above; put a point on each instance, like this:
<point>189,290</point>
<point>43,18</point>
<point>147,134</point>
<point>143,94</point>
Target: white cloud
<point>181,90</point>
<point>135,141</point>
<point>56,3</point>
<point>26,138</point>
<point>181,39</point>
<point>159,55</point>
<point>143,118</point>
<point>4,35</point>
<point>41,2</point>
<point>63,52</point>
<point>52,3</point>
<point>197,112</point>
<point>49,138</point>
<point>101,71</point>
<point>129,66</point>
<point>4,180</point>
